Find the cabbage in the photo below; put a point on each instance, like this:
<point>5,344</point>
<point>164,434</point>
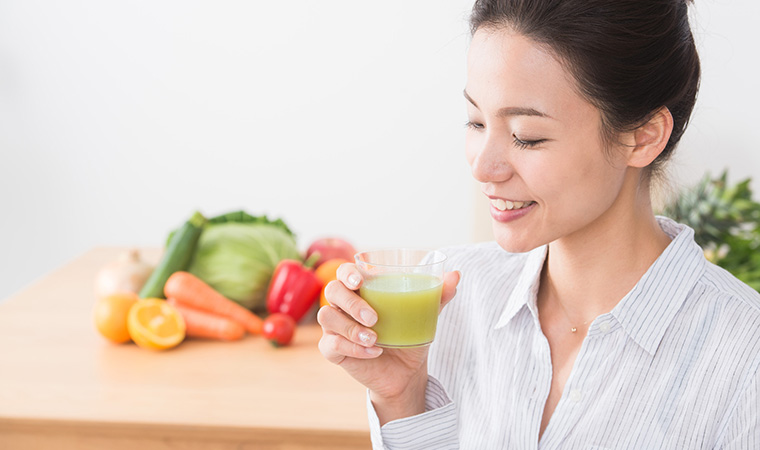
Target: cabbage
<point>238,259</point>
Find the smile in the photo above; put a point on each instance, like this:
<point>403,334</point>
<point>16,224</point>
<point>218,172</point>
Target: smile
<point>506,205</point>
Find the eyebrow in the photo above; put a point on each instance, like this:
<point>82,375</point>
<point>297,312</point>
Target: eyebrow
<point>510,110</point>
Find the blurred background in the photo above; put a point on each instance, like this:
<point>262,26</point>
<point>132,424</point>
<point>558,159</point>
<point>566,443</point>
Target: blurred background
<point>343,118</point>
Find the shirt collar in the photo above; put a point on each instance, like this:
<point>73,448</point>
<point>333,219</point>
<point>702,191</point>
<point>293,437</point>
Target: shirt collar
<point>526,289</point>
<point>648,309</point>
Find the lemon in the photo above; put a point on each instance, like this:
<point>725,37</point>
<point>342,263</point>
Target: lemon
<point>155,324</point>
<point>110,315</point>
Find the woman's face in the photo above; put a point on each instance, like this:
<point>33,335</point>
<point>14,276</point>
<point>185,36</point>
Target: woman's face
<point>535,144</point>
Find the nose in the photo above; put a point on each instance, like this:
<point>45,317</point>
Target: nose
<point>488,158</point>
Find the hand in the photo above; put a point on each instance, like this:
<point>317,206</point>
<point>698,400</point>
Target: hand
<point>396,378</point>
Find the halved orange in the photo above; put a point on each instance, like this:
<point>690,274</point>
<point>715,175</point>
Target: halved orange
<point>155,324</point>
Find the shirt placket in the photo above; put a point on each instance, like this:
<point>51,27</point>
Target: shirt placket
<point>536,393</point>
<point>581,386</point>
<point>542,386</point>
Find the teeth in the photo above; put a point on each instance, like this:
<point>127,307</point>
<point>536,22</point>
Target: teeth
<point>504,205</point>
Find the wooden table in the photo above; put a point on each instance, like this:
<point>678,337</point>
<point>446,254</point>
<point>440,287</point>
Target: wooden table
<point>62,386</point>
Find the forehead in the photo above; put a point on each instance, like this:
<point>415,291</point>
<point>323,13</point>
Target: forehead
<point>505,68</point>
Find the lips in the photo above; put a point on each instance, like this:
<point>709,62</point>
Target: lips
<point>505,211</point>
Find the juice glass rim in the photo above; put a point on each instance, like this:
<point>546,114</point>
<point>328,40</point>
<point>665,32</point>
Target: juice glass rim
<point>439,257</point>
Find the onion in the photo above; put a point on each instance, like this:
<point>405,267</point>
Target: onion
<point>126,274</point>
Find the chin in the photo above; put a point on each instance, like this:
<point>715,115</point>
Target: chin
<point>513,243</point>
<point>514,248</point>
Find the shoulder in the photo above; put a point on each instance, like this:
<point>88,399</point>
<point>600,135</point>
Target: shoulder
<point>722,288</point>
<point>727,312</point>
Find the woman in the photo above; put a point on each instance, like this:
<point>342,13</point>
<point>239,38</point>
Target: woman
<point>592,323</point>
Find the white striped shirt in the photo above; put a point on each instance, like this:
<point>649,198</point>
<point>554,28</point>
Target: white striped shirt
<point>673,366</point>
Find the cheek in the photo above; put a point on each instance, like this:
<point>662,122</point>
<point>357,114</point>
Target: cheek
<point>578,180</point>
<point>590,189</point>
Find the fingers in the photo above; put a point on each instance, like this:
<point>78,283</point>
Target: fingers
<point>349,275</point>
<point>346,320</point>
<point>336,349</point>
<point>335,321</point>
<point>347,301</point>
<point>450,282</point>
<point>344,337</point>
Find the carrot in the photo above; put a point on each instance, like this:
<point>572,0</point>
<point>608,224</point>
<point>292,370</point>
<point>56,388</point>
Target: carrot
<point>191,291</point>
<point>206,325</point>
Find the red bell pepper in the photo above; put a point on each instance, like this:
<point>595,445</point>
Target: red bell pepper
<point>294,288</point>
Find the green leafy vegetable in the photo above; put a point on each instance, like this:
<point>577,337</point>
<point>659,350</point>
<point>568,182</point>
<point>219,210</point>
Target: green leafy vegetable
<point>237,256</point>
<point>244,217</point>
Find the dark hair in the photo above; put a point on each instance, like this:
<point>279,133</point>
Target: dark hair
<point>629,57</point>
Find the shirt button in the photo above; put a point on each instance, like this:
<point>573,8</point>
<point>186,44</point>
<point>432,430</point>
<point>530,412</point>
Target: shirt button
<point>575,395</point>
<point>604,327</point>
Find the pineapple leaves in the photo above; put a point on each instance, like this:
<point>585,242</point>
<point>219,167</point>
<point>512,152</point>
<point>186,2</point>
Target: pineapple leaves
<point>726,223</point>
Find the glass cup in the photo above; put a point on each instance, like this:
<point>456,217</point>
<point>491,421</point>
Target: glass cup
<point>404,287</point>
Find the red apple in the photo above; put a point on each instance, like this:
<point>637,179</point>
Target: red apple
<point>330,248</point>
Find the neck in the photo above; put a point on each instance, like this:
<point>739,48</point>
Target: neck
<point>587,273</point>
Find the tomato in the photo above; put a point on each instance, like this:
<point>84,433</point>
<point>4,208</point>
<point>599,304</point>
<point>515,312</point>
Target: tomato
<point>279,329</point>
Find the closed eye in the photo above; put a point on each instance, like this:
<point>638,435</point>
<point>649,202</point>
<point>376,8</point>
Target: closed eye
<point>523,144</point>
<point>474,125</point>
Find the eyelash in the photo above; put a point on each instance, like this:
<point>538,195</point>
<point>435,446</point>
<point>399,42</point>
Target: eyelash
<point>527,144</point>
<point>517,141</point>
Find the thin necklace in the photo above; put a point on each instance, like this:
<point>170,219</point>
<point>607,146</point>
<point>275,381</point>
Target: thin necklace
<point>572,328</point>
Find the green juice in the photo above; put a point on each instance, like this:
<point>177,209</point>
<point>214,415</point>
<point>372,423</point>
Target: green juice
<point>407,308</point>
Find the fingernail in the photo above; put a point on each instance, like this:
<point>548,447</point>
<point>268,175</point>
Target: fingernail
<point>353,280</point>
<point>366,338</point>
<point>368,317</point>
<point>373,351</point>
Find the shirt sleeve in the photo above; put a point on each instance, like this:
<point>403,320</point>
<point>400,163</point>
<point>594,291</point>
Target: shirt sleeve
<point>435,429</point>
<point>743,428</point>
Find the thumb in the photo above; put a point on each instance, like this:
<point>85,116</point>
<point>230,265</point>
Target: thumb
<point>450,282</point>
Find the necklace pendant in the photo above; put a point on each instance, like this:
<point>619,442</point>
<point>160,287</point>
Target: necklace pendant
<point>573,329</point>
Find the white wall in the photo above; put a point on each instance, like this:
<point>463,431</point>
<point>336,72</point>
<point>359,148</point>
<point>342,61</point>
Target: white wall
<point>725,127</point>
<point>118,119</point>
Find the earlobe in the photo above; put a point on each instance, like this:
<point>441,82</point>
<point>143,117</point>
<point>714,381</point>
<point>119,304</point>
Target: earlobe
<point>651,138</point>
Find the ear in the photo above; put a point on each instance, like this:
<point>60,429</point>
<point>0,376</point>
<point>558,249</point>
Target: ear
<point>651,138</point>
